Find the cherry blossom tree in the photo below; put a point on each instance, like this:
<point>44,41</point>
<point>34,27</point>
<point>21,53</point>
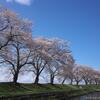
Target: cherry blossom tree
<point>87,73</point>
<point>59,54</point>
<point>77,74</point>
<point>66,71</point>
<point>39,57</point>
<point>16,54</point>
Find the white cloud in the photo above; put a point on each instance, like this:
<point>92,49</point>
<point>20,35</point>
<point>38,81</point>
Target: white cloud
<point>23,2</point>
<point>9,0</point>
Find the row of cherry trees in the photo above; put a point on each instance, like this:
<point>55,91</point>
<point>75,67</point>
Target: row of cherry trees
<point>19,52</point>
<point>80,74</point>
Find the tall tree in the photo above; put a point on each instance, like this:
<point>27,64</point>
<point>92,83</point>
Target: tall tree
<point>77,74</point>
<point>59,53</point>
<point>86,74</point>
<point>67,74</point>
<point>39,57</point>
<point>16,54</point>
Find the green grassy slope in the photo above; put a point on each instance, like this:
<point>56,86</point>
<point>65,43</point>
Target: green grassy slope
<point>10,89</point>
<point>7,89</point>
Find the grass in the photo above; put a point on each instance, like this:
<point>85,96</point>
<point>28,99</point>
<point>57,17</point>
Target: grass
<point>7,89</point>
<point>84,90</point>
<point>10,89</point>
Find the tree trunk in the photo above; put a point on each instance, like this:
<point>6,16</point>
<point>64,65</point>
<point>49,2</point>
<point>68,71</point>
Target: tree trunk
<point>77,82</point>
<point>15,77</point>
<point>86,83</point>
<point>52,79</point>
<point>71,81</point>
<point>63,80</point>
<point>36,79</point>
<point>96,83</point>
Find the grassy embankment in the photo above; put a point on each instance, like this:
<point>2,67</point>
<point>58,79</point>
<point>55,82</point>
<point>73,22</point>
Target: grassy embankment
<point>10,89</point>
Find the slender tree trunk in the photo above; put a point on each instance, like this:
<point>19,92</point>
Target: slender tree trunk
<point>71,81</point>
<point>51,79</point>
<point>18,67</point>
<point>36,79</point>
<point>86,83</point>
<point>77,82</point>
<point>64,80</point>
